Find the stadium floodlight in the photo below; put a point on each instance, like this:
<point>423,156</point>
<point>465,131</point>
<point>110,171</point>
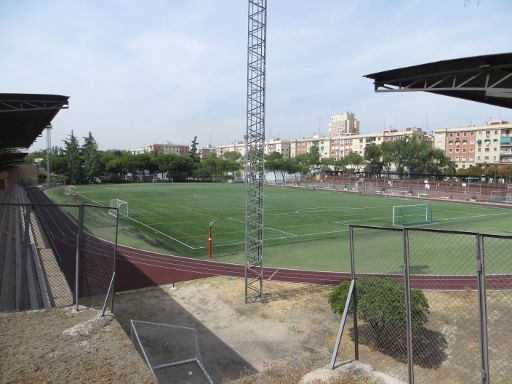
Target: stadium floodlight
<point>409,215</point>
<point>121,205</point>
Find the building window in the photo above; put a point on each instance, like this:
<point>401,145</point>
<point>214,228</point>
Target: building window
<point>471,158</point>
<point>472,142</point>
<point>464,150</point>
<point>451,134</point>
<point>464,134</point>
<point>450,150</point>
<point>486,149</point>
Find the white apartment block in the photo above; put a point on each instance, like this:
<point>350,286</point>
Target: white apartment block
<point>278,145</point>
<point>477,145</point>
<point>166,148</point>
<point>237,146</point>
<point>344,124</point>
<point>334,147</point>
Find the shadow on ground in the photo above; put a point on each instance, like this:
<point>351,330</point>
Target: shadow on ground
<point>429,347</point>
<point>221,362</point>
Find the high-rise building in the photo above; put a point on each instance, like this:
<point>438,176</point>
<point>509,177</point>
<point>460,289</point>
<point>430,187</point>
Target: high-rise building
<point>344,124</point>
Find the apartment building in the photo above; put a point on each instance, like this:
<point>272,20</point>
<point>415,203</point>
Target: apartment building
<point>278,145</point>
<point>344,124</point>
<point>477,145</point>
<point>334,147</point>
<point>304,145</point>
<point>166,148</point>
<point>237,146</point>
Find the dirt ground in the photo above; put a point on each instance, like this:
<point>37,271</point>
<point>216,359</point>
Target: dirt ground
<point>278,342</point>
<point>59,345</point>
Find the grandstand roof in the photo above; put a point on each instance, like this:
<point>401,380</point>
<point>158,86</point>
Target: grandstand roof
<point>7,160</point>
<point>23,117</point>
<point>485,79</point>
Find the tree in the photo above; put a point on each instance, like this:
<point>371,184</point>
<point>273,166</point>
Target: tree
<point>73,161</point>
<point>373,154</point>
<point>194,155</point>
<point>354,160</point>
<point>91,158</point>
<point>274,163</point>
<point>232,155</point>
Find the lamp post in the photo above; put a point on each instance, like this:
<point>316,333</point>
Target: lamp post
<point>210,239</point>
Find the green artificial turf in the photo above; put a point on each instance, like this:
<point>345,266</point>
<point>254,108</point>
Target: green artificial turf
<point>304,229</point>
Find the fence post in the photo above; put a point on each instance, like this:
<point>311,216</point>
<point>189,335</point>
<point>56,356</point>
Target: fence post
<point>482,308</point>
<point>353,272</point>
<point>115,263</point>
<point>77,261</point>
<point>408,314</point>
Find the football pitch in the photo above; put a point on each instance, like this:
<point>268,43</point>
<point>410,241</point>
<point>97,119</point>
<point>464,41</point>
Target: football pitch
<point>304,229</point>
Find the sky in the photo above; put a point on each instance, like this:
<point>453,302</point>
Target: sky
<point>156,71</point>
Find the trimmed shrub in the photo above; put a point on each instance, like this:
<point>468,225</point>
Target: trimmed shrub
<point>381,302</point>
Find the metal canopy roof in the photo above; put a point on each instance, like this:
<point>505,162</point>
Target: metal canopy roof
<point>7,160</point>
<point>485,79</point>
<point>23,117</point>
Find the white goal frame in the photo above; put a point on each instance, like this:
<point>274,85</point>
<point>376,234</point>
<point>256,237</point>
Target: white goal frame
<point>121,205</point>
<point>69,189</point>
<point>426,206</point>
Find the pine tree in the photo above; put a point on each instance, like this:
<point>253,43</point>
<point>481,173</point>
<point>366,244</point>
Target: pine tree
<point>91,157</point>
<point>74,162</point>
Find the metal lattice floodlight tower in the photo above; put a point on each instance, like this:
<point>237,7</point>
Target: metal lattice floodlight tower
<point>254,156</point>
<point>48,150</point>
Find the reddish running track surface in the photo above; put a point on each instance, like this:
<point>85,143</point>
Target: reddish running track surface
<point>138,269</point>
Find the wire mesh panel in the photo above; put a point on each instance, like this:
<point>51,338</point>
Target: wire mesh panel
<point>380,297</point>
<point>498,283</point>
<point>172,352</point>
<point>97,255</point>
<point>444,302</point>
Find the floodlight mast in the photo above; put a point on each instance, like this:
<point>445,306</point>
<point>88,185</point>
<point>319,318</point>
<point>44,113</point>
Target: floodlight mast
<point>255,144</point>
<point>48,152</point>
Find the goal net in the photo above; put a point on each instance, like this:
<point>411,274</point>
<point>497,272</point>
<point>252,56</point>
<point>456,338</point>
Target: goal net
<point>122,207</point>
<point>504,196</point>
<point>408,215</point>
<point>172,352</point>
<point>69,189</point>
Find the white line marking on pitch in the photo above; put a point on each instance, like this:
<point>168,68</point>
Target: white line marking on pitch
<point>271,276</point>
<point>270,228</point>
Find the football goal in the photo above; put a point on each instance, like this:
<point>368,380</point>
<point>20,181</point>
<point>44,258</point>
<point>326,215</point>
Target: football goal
<point>69,189</point>
<point>504,197</point>
<point>121,205</point>
<point>168,180</point>
<point>408,215</point>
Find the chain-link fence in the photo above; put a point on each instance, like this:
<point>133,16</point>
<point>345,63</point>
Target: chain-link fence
<point>431,305</point>
<point>421,186</point>
<point>171,352</point>
<point>83,243</point>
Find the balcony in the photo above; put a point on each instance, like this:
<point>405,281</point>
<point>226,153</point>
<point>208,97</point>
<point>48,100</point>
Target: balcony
<point>506,140</point>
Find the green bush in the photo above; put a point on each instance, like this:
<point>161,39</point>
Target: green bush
<point>381,302</point>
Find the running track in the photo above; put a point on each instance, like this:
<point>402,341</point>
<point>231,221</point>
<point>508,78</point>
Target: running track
<point>138,268</point>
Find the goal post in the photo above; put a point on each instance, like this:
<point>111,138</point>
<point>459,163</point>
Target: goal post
<point>409,215</point>
<point>121,205</point>
<point>69,189</point>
